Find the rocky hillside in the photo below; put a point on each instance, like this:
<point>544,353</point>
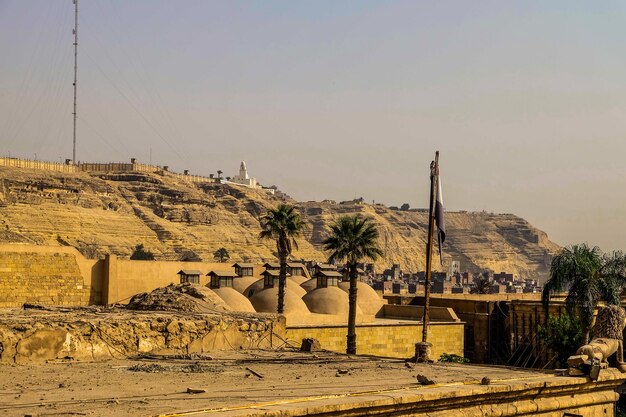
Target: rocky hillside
<point>114,212</point>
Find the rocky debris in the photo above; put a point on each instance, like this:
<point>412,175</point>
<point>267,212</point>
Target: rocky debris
<point>147,367</point>
<point>193,368</point>
<point>310,344</point>
<point>184,356</point>
<point>424,380</point>
<point>187,297</point>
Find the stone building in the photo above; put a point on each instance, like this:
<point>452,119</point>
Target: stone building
<point>243,178</point>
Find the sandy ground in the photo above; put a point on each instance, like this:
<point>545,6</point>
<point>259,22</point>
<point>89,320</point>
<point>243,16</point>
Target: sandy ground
<point>155,386</point>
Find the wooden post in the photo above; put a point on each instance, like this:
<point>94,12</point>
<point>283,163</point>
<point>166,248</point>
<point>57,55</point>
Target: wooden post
<point>423,348</point>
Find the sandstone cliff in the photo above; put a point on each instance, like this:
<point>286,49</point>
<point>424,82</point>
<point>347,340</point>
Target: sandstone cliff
<point>114,212</point>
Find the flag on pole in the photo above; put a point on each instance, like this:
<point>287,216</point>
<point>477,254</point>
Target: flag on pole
<point>439,221</point>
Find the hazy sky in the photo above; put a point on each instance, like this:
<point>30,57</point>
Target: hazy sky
<point>335,99</point>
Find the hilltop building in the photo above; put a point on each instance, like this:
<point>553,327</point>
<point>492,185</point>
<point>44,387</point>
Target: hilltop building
<point>243,178</point>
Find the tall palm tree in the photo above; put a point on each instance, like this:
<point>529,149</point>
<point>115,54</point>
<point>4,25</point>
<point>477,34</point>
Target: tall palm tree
<point>284,225</point>
<point>482,284</point>
<point>589,278</point>
<point>352,238</point>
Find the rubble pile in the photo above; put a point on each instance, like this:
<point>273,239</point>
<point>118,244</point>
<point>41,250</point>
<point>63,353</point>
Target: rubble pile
<point>187,297</point>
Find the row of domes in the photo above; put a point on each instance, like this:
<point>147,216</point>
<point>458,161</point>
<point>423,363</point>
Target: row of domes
<point>304,302</point>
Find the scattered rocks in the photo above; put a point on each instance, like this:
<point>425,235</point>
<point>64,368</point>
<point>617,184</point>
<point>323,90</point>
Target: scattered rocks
<point>148,367</point>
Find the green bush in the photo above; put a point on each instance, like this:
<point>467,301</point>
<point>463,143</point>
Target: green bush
<point>563,335</point>
<point>451,357</point>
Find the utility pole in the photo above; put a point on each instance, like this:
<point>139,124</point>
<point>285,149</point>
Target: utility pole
<point>75,32</point>
<point>422,349</point>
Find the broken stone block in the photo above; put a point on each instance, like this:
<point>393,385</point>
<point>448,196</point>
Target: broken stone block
<point>310,344</point>
<point>577,360</point>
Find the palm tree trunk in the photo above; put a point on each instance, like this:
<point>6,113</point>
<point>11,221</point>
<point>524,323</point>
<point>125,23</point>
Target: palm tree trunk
<point>282,281</point>
<point>352,298</point>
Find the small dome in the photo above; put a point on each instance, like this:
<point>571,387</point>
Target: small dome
<point>254,288</point>
<point>298,279</point>
<point>234,299</point>
<point>266,301</point>
<point>329,300</point>
<point>259,285</point>
<point>309,285</point>
<point>242,283</point>
<point>367,298</point>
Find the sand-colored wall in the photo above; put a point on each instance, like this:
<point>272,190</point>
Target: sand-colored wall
<point>35,274</point>
<point>124,278</point>
<point>30,273</point>
<point>394,340</point>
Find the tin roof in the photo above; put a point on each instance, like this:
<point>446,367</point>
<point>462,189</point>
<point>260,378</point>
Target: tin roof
<point>189,272</point>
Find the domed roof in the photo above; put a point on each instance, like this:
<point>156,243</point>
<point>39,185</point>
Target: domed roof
<point>330,300</point>
<point>309,285</point>
<point>295,288</point>
<point>367,298</point>
<point>253,288</point>
<point>234,299</point>
<point>259,285</point>
<point>241,284</point>
<point>266,301</point>
<point>298,279</point>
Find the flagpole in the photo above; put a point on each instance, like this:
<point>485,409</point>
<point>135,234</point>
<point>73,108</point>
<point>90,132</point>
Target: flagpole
<point>423,349</point>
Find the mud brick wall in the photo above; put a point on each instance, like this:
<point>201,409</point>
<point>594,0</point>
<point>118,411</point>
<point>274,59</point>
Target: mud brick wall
<point>42,278</point>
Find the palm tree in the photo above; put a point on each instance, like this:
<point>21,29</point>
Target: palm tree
<point>482,284</point>
<point>589,278</point>
<point>282,224</point>
<point>221,254</point>
<point>352,238</point>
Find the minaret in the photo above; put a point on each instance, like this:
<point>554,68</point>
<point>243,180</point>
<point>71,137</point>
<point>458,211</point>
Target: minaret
<point>243,171</point>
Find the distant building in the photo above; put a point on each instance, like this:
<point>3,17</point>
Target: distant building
<point>455,268</point>
<point>498,289</point>
<point>460,289</point>
<point>503,277</point>
<point>441,287</point>
<point>392,274</point>
<point>243,178</point>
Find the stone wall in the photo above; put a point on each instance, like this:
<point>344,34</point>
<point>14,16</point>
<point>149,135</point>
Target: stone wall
<point>35,164</point>
<point>394,340</point>
<point>42,278</point>
<point>500,328</point>
<point>95,334</point>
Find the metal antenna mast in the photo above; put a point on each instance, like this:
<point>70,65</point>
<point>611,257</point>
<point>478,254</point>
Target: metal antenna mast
<point>75,32</point>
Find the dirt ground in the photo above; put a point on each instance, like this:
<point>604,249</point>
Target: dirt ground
<point>158,385</point>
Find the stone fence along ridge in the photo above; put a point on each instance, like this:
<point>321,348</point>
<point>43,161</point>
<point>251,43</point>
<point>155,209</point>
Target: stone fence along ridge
<point>68,167</point>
